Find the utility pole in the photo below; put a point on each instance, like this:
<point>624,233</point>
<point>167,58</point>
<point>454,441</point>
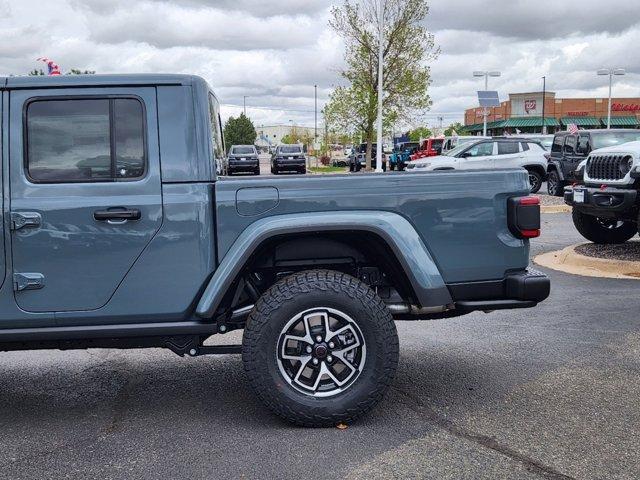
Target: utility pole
<point>544,101</point>
<point>380,86</point>
<point>315,139</point>
<point>244,105</point>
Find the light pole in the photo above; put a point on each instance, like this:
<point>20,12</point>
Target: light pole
<point>380,86</point>
<point>544,100</point>
<point>486,76</point>
<point>244,104</point>
<point>611,72</point>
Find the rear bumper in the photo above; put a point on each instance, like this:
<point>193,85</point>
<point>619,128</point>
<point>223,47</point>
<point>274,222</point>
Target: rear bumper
<point>522,289</point>
<point>598,201</point>
<point>290,164</point>
<point>243,165</point>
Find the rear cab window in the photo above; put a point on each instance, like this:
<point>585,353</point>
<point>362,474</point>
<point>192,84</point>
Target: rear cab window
<point>243,151</point>
<point>290,150</point>
<point>85,140</point>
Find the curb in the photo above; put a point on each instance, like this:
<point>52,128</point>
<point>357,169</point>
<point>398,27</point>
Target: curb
<point>555,209</point>
<point>569,261</point>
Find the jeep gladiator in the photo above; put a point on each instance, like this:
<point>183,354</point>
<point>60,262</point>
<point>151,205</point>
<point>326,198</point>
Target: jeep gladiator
<point>117,233</point>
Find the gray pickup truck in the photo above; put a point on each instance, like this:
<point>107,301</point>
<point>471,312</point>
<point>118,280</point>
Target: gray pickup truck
<point>117,233</point>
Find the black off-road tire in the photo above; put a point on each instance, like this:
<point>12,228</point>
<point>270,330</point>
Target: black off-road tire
<point>299,293</point>
<point>597,231</point>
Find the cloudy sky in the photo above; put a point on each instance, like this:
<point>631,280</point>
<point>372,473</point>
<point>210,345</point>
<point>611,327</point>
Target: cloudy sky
<point>274,51</point>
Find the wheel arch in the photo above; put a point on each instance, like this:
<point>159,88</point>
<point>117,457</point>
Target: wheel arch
<point>410,254</point>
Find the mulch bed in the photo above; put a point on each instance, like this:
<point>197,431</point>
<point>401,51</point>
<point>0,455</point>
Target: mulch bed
<point>629,251</point>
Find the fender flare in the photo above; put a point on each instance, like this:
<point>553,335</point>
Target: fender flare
<point>555,165</point>
<point>403,239</point>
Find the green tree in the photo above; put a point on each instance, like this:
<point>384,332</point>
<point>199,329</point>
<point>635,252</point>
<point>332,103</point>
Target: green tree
<point>76,71</point>
<point>419,133</point>
<point>407,49</point>
<point>239,131</point>
<point>457,127</point>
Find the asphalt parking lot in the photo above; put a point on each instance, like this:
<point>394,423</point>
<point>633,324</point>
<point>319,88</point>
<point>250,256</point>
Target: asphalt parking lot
<point>545,393</point>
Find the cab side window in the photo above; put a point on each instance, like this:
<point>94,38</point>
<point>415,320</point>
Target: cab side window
<point>508,148</point>
<point>570,144</point>
<point>558,142</point>
<point>85,140</point>
<point>481,150</point>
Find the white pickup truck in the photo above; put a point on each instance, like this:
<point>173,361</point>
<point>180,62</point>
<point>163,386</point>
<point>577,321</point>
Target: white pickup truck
<point>605,206</point>
<point>488,154</point>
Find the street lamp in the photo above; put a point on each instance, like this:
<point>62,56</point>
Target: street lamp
<point>244,104</point>
<point>611,72</point>
<point>486,76</point>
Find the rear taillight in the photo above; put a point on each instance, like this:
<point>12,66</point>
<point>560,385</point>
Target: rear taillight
<point>524,216</point>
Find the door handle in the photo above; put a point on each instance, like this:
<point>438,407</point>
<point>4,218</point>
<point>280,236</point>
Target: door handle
<point>117,215</point>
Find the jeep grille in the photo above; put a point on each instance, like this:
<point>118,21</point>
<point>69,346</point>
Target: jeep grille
<point>607,167</point>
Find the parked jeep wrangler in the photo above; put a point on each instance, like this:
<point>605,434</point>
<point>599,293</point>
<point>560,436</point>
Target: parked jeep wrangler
<point>605,207</point>
<point>117,233</point>
<point>358,158</point>
<point>568,150</point>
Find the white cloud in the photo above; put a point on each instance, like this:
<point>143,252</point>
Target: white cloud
<point>275,52</point>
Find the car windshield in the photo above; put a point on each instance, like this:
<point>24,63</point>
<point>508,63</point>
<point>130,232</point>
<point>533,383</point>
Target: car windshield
<point>455,151</point>
<point>609,139</point>
<point>242,150</point>
<point>291,149</point>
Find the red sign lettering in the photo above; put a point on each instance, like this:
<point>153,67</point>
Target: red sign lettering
<point>625,107</point>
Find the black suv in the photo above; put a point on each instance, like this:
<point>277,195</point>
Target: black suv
<point>243,158</point>
<point>568,150</point>
<point>290,158</point>
<point>358,159</point>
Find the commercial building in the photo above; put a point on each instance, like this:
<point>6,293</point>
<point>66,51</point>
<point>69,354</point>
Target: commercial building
<point>523,113</point>
<point>272,135</point>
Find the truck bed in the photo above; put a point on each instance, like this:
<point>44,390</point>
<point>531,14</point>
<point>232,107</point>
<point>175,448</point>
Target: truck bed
<point>461,216</point>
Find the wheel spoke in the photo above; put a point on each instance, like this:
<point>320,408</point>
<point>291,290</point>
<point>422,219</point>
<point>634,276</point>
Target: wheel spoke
<point>303,366</point>
<point>285,355</point>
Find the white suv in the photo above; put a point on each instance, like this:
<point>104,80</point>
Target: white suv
<point>488,154</point>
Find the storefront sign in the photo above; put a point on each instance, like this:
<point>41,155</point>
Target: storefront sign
<point>530,105</point>
<point>625,107</point>
<point>577,114</point>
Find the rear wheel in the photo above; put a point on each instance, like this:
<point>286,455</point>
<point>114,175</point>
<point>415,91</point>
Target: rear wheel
<point>256,171</point>
<point>555,186</point>
<point>392,166</point>
<point>320,348</point>
<point>603,230</point>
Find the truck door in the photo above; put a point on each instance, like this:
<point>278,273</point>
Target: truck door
<point>85,192</point>
<point>571,156</point>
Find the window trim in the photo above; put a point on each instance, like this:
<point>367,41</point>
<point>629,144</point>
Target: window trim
<point>112,140</point>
